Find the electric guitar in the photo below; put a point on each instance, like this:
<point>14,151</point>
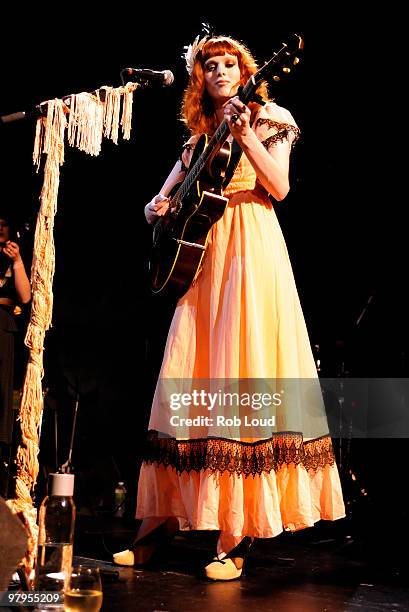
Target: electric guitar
<point>180,236</point>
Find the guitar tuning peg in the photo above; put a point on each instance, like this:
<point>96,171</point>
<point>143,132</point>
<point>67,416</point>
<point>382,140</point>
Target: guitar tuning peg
<point>286,70</point>
<point>296,61</point>
<point>276,77</point>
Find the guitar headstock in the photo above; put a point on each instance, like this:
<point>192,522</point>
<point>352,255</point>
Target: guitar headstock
<point>283,60</point>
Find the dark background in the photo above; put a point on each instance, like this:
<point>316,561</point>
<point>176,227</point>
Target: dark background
<point>342,221</point>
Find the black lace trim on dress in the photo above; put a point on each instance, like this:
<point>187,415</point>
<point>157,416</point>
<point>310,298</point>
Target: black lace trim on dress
<point>235,457</point>
<point>283,132</point>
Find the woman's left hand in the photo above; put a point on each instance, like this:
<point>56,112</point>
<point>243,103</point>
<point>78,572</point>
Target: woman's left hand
<point>11,249</point>
<point>237,116</point>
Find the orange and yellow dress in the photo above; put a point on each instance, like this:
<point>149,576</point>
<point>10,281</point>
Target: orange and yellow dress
<point>242,319</point>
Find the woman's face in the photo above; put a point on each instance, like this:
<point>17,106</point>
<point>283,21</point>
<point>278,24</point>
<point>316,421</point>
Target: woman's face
<point>222,77</point>
<point>4,230</point>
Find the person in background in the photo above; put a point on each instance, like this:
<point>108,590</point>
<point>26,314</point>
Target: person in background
<point>15,289</point>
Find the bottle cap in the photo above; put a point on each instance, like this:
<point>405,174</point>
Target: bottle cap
<point>61,484</point>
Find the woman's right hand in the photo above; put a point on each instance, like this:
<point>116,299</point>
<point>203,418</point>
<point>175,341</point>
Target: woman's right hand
<point>157,207</point>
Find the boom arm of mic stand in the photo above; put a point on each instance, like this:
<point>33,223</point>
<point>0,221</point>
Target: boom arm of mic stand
<point>35,113</point>
<point>40,110</point>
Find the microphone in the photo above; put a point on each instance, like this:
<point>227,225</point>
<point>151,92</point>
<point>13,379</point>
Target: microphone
<point>164,77</point>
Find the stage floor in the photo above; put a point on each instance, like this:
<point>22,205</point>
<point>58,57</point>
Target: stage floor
<point>314,570</point>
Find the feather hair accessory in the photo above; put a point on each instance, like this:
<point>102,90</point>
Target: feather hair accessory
<point>193,49</point>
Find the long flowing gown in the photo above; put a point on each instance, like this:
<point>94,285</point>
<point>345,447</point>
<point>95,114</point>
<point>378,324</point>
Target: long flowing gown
<point>242,319</point>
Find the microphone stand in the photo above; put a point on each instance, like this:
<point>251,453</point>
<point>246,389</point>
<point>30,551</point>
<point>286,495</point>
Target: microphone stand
<point>66,467</point>
<point>365,308</point>
<point>40,110</point>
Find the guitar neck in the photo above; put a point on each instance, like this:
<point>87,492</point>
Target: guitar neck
<point>215,143</point>
<point>219,137</point>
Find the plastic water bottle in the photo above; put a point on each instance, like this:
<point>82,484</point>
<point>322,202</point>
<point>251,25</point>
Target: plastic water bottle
<point>120,497</point>
<point>55,538</point>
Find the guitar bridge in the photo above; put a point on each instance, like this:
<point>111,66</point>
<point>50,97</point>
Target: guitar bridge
<point>190,244</point>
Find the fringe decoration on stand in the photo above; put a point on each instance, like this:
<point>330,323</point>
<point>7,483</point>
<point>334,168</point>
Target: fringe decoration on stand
<point>111,114</point>
<point>91,116</point>
<point>85,123</point>
<point>50,138</point>
<point>127,112</point>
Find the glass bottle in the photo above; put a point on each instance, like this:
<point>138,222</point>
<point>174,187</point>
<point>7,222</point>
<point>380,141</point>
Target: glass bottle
<point>55,537</point>
<point>120,497</point>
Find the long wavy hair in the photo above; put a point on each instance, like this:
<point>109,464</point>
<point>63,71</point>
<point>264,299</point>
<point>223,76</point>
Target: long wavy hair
<point>198,112</point>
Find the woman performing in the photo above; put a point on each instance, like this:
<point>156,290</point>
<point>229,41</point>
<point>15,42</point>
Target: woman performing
<point>240,319</point>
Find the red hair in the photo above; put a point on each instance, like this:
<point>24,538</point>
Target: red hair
<point>198,112</point>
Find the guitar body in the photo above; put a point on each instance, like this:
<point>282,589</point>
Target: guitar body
<point>180,236</point>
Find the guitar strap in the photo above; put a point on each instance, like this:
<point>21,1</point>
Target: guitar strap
<point>236,153</point>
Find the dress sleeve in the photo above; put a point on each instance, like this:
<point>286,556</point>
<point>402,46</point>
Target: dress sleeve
<point>275,124</point>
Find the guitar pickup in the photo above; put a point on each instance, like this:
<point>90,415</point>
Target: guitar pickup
<point>190,244</point>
